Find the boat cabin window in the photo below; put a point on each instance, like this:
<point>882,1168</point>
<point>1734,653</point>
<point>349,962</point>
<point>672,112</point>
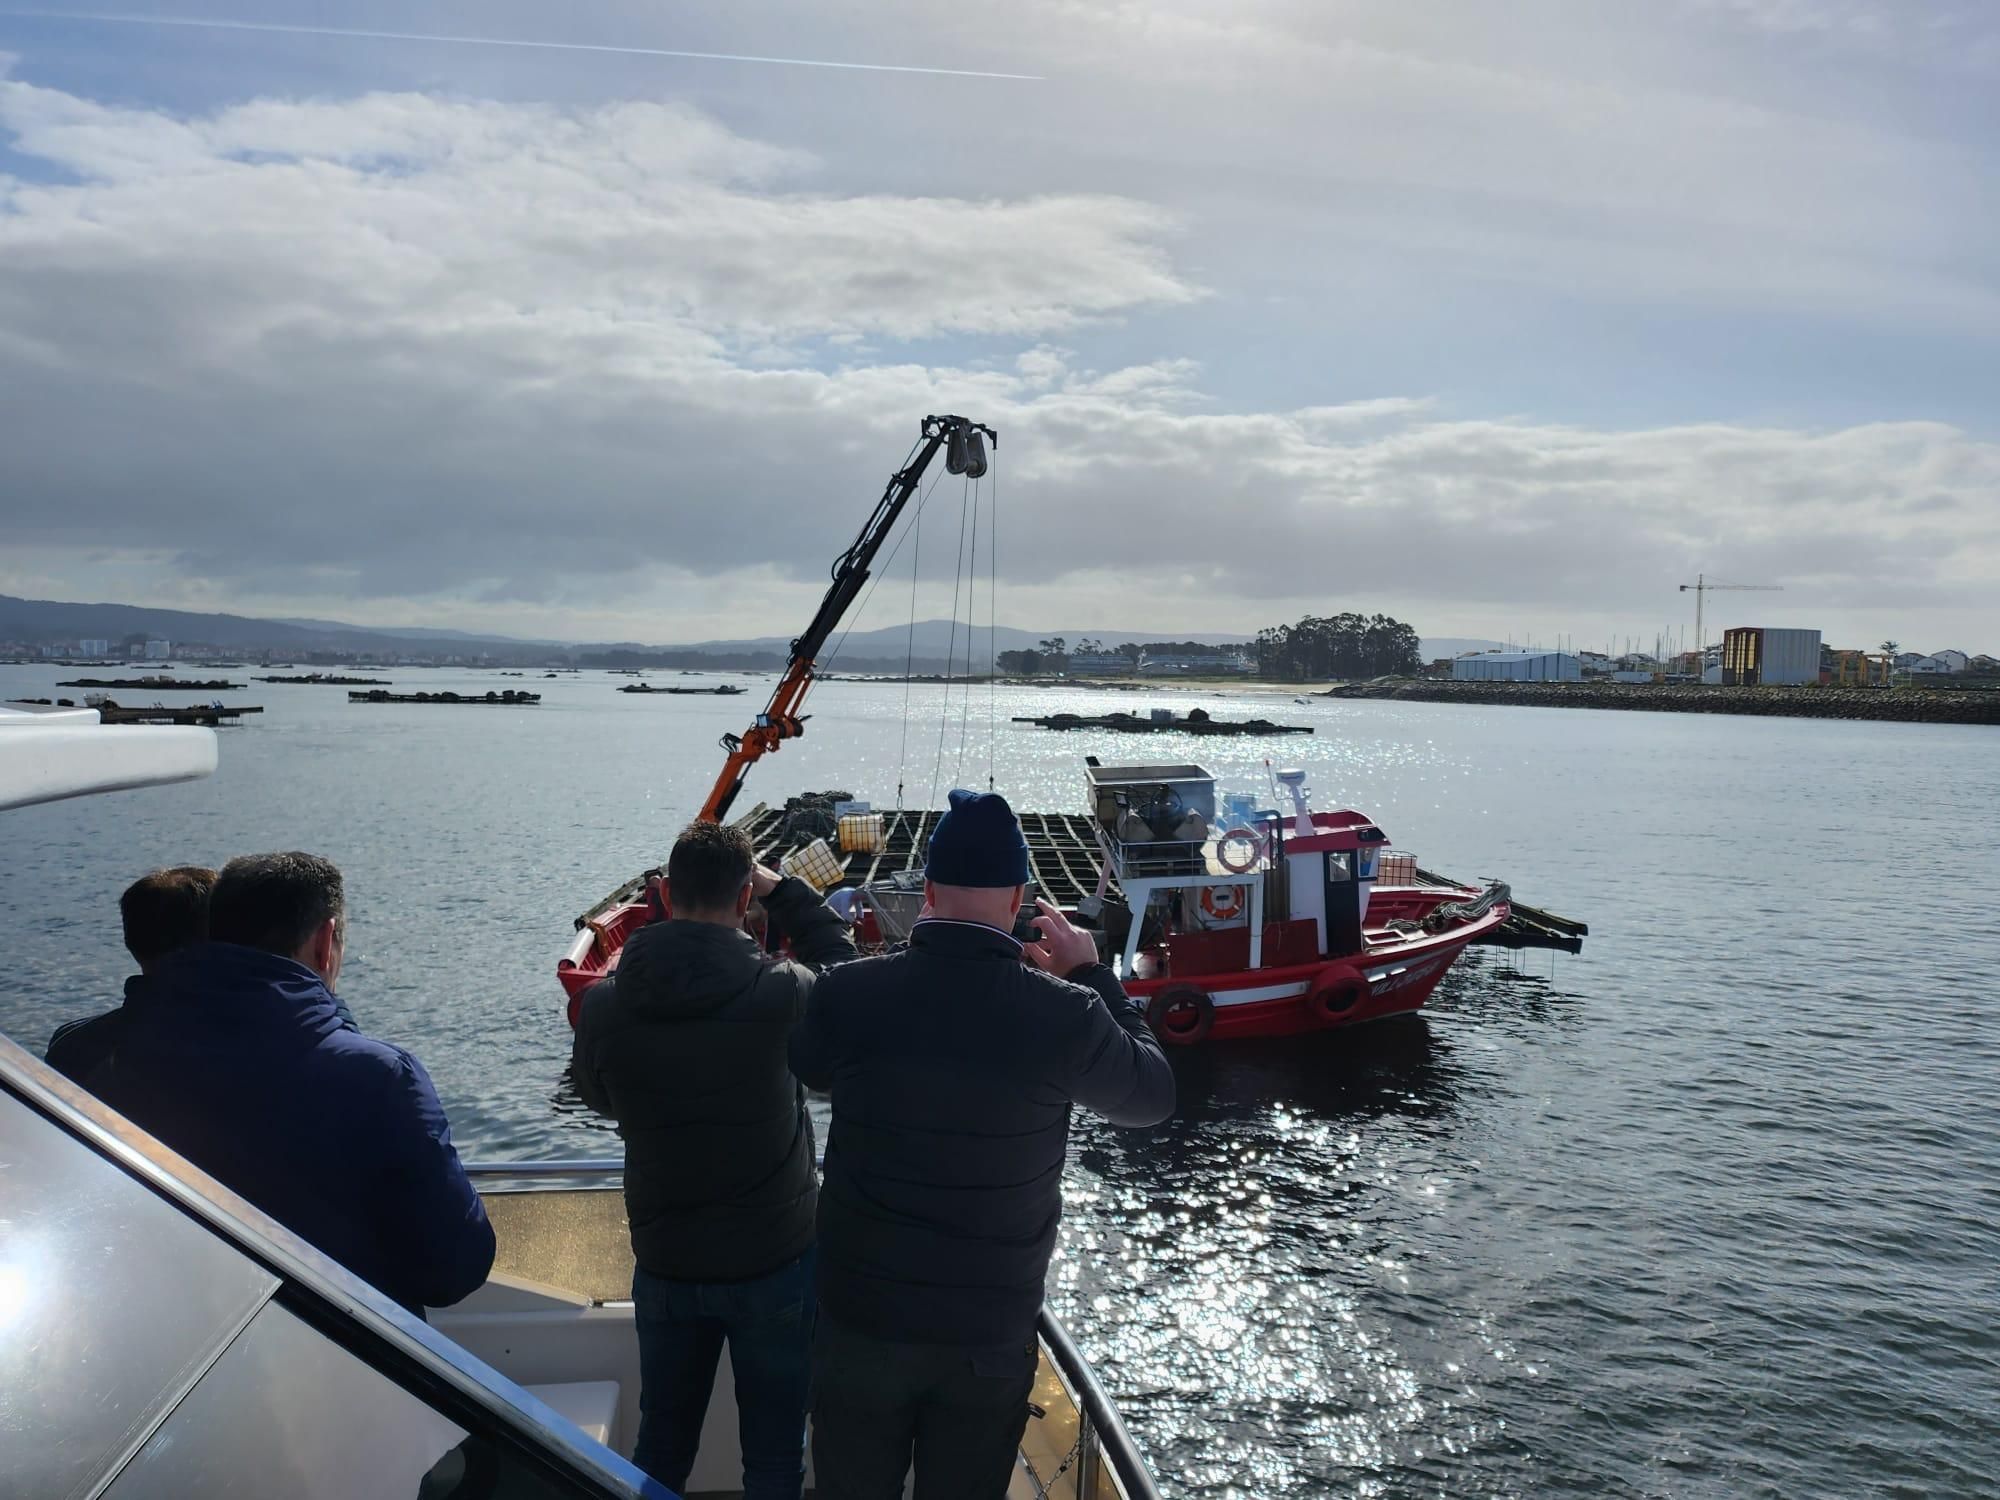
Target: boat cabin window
<point>287,1411</point>
<point>111,1299</point>
<point>135,1341</point>
<point>1337,867</point>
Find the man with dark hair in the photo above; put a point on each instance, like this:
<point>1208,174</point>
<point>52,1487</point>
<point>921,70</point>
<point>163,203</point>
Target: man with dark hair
<point>685,1048</point>
<point>953,1065</point>
<point>240,1058</point>
<point>162,912</point>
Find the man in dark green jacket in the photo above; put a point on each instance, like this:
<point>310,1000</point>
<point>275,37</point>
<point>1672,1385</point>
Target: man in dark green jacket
<point>685,1048</point>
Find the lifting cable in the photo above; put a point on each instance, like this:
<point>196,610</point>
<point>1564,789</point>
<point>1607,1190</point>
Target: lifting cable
<point>971,585</point>
<point>951,647</point>
<point>910,647</point>
<point>992,621</point>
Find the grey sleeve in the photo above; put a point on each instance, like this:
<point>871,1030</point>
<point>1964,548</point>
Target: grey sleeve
<point>1115,1066</point>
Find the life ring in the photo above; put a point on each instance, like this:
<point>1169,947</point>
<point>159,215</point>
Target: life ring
<point>1247,849</point>
<point>1222,902</point>
<point>1335,999</point>
<point>1181,1015</point>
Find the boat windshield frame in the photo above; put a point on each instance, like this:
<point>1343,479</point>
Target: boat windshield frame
<point>339,1305</point>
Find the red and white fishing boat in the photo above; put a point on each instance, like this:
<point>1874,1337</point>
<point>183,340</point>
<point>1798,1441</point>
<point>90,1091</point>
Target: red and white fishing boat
<point>1254,923</point>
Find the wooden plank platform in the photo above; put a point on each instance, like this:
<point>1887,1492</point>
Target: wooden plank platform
<point>1122,723</point>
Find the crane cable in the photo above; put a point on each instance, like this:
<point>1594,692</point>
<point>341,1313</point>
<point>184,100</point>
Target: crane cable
<point>951,646</point>
<point>992,621</point>
<point>971,605</point>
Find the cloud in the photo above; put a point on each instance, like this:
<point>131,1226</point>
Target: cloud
<point>410,348</point>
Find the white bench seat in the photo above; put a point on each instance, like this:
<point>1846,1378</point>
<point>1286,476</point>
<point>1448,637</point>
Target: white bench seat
<point>591,1405</point>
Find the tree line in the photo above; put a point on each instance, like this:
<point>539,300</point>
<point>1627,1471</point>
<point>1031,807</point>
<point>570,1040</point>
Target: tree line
<point>1054,654</point>
<point>1338,646</point>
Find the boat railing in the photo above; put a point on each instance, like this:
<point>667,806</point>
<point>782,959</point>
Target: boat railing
<point>1147,859</point>
<point>1093,1457</point>
<point>1107,1464</point>
<point>588,1166</point>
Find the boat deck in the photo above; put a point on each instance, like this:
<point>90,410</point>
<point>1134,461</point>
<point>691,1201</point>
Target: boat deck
<point>1062,850</point>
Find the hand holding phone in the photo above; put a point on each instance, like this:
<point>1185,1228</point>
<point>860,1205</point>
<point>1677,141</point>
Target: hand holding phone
<point>1058,946</point>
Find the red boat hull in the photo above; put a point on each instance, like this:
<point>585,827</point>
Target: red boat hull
<point>1395,975</point>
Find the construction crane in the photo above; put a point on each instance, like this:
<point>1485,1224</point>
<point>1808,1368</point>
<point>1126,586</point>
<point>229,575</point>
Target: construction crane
<point>1701,588</point>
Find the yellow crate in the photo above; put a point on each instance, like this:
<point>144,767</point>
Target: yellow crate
<point>861,833</point>
<point>815,864</point>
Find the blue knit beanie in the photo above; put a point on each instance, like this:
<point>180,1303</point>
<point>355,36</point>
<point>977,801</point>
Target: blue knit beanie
<point>977,842</point>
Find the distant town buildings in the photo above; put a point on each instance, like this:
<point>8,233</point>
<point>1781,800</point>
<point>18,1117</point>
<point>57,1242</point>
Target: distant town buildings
<point>1100,663</point>
<point>1151,665</point>
<point>1939,662</point>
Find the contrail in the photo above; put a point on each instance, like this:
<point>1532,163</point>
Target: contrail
<point>210,24</point>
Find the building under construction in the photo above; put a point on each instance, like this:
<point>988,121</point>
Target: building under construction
<point>1753,655</point>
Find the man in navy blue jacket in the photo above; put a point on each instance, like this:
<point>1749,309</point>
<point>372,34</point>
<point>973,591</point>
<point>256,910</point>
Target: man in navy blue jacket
<point>953,1066</point>
<point>238,1056</point>
<point>162,912</point>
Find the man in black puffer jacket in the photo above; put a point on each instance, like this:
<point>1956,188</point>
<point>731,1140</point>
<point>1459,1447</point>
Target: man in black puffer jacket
<point>953,1066</point>
<point>685,1048</point>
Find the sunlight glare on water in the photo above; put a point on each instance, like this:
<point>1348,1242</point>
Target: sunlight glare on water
<point>1706,1211</point>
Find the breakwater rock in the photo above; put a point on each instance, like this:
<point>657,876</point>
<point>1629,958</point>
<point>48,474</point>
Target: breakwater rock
<point>1903,705</point>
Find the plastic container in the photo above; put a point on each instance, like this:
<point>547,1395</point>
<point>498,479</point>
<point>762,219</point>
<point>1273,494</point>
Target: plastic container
<point>815,864</point>
<point>860,833</point>
<point>1395,868</point>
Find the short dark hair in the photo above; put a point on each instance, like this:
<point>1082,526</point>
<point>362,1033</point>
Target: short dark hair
<point>275,901</point>
<point>709,865</point>
<point>166,910</point>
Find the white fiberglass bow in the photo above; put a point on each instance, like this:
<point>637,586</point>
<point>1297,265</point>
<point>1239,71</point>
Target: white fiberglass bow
<point>49,754</point>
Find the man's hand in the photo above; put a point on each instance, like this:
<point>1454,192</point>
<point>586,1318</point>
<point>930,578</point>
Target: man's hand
<point>763,881</point>
<point>1062,948</point>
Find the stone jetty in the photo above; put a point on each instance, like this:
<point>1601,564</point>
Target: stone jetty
<point>1901,705</point>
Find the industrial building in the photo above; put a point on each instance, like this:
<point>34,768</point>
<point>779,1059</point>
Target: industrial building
<point>1517,666</point>
<point>1234,665</point>
<point>1754,655</point>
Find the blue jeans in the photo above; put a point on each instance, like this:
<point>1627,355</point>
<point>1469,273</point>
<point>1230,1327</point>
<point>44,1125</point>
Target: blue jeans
<point>768,1323</point>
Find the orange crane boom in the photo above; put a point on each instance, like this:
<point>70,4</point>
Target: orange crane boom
<point>781,719</point>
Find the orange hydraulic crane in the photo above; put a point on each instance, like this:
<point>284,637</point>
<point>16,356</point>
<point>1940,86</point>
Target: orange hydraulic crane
<point>1701,588</point>
<point>965,453</point>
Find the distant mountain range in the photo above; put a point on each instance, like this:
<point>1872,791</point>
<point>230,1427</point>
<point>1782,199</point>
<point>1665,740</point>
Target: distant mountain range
<point>924,647</point>
<point>32,621</point>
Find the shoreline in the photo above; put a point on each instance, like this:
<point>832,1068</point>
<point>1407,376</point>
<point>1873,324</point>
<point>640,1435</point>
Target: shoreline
<point>1903,705</point>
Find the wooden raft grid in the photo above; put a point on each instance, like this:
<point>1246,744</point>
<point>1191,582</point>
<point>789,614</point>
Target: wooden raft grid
<point>1062,850</point>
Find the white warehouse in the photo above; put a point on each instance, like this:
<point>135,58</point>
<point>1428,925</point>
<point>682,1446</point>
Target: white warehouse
<point>1517,666</point>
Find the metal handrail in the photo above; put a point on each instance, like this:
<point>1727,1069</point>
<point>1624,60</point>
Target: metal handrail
<point>599,1166</point>
<point>1109,1428</point>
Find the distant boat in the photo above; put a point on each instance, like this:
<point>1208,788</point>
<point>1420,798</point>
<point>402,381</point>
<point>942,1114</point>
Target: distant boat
<point>727,690</point>
<point>512,698</point>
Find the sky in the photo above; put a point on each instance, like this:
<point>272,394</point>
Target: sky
<point>1505,320</point>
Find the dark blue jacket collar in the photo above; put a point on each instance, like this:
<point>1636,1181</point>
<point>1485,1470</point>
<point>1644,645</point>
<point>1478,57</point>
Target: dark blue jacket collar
<point>955,939</point>
<point>227,986</point>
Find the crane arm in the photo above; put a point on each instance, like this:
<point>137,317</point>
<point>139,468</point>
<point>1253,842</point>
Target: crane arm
<point>781,719</point>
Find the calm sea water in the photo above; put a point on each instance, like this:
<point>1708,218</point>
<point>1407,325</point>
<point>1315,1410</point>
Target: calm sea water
<point>1711,1210</point>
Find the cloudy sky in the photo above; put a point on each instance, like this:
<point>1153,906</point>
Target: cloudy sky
<point>1505,319</point>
